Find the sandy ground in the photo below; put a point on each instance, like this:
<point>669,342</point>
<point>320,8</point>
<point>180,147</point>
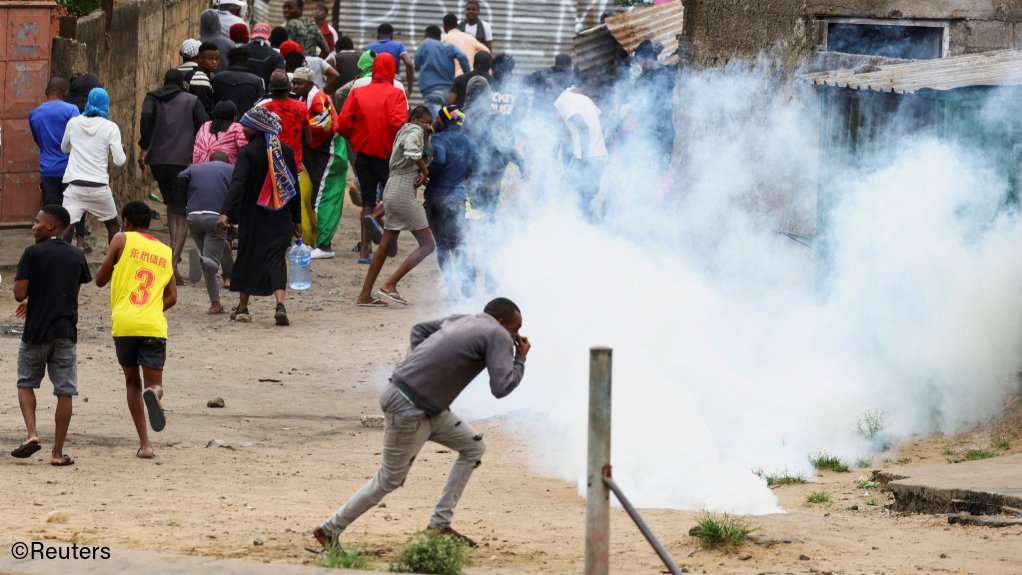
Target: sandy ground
<point>297,450</point>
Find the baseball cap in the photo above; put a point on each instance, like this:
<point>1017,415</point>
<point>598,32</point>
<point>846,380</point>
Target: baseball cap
<point>234,2</point>
<point>289,46</point>
<point>304,73</point>
<point>190,48</point>
<point>261,30</point>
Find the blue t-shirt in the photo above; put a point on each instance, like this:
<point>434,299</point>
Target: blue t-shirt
<point>48,121</point>
<point>453,154</point>
<point>391,47</point>
<point>434,61</point>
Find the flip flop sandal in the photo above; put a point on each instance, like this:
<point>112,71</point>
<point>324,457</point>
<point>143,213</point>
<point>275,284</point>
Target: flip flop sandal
<point>26,450</point>
<point>157,419</point>
<point>65,460</point>
<point>374,303</point>
<point>392,297</point>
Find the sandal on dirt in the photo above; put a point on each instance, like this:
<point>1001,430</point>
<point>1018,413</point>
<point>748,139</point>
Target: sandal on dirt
<point>374,303</point>
<point>25,450</point>
<point>392,297</point>
<point>139,455</point>
<point>65,460</point>
<point>157,420</point>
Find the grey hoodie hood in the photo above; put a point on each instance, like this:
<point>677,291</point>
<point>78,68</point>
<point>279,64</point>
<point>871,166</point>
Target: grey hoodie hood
<point>209,24</point>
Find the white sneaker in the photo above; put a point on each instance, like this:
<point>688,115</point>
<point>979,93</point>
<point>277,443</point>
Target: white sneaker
<point>318,254</point>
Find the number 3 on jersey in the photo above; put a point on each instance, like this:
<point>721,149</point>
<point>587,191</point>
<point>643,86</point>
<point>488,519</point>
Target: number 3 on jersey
<point>141,296</point>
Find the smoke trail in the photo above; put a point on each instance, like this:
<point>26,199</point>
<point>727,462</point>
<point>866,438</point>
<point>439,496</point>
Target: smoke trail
<point>726,359</point>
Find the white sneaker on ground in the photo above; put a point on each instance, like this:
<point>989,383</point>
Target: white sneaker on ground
<point>318,254</point>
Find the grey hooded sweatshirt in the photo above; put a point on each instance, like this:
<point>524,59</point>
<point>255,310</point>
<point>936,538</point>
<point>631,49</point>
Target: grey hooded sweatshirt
<point>209,31</point>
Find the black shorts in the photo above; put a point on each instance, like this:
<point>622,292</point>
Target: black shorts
<point>372,175</point>
<point>148,352</point>
<point>166,178</point>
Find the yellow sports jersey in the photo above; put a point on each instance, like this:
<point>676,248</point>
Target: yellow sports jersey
<point>136,288</point>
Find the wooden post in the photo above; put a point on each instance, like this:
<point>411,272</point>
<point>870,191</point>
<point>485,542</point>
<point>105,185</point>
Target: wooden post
<point>597,492</point>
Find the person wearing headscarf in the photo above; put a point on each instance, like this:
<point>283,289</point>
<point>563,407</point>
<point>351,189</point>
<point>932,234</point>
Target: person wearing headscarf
<point>222,133</point>
<point>170,119</point>
<point>81,84</point>
<point>263,202</point>
<point>454,157</point>
<point>408,171</point>
<point>91,139</point>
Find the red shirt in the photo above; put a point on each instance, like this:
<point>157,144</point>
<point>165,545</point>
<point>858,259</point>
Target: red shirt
<point>373,114</point>
<point>328,34</point>
<point>293,117</point>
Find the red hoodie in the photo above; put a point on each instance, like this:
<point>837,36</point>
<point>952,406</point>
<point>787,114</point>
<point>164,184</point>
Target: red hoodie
<point>373,114</point>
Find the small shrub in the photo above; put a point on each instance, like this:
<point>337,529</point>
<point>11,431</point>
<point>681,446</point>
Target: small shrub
<point>823,461</point>
<point>337,557</point>
<point>818,497</point>
<point>719,530</point>
<point>870,424</point>
<point>431,553</point>
<point>976,454</point>
<point>1002,444</point>
<point>863,462</point>
<point>783,478</point>
<point>872,503</point>
<point>79,8</point>
<point>904,461</point>
<point>866,483</point>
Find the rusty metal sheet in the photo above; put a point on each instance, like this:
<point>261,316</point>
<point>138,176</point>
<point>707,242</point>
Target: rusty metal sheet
<point>23,154</point>
<point>25,85</point>
<point>661,23</point>
<point>3,35</point>
<point>28,34</point>
<point>596,49</point>
<point>998,68</point>
<point>19,198</point>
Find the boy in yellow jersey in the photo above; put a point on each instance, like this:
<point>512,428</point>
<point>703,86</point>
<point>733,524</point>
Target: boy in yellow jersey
<point>142,272</point>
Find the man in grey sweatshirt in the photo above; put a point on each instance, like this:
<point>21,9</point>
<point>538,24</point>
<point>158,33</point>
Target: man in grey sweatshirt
<point>447,354</point>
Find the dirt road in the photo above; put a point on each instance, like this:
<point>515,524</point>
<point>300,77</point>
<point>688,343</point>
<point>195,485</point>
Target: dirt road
<point>295,450</point>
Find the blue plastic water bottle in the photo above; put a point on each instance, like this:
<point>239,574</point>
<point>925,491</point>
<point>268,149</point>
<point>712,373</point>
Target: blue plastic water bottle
<point>299,259</point>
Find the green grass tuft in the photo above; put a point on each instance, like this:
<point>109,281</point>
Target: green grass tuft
<point>866,483</point>
<point>863,462</point>
<point>721,530</point>
<point>953,456</point>
<point>337,557</point>
<point>1002,444</point>
<point>782,478</point>
<point>431,553</point>
<point>823,461</point>
<point>818,497</point>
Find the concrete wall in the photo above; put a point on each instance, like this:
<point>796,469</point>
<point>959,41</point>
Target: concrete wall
<point>722,30</point>
<point>143,42</point>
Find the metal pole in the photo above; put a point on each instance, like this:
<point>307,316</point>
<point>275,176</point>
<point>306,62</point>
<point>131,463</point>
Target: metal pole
<point>597,493</point>
<point>646,532</point>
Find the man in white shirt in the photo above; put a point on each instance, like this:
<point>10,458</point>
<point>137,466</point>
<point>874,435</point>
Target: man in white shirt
<point>229,12</point>
<point>474,26</point>
<point>88,139</point>
<point>588,156</point>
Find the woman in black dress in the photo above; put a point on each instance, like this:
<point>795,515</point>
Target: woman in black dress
<point>263,201</point>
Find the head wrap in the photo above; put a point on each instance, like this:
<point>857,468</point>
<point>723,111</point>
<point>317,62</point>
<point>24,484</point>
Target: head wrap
<point>279,187</point>
<point>450,117</point>
<point>365,63</point>
<point>80,87</point>
<point>98,104</point>
<point>190,48</point>
<point>223,116</point>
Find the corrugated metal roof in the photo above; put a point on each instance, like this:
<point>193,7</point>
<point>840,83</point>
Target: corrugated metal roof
<point>601,47</point>
<point>998,68</point>
<point>661,23</point>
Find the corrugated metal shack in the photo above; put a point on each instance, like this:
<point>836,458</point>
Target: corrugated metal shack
<point>599,50</point>
<point>974,99</point>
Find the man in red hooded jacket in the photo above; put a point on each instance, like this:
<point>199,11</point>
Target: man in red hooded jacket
<point>370,119</point>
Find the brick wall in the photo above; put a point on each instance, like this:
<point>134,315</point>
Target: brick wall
<point>142,44</point>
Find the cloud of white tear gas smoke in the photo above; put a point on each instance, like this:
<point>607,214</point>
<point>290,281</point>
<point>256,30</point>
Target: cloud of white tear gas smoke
<point>726,357</point>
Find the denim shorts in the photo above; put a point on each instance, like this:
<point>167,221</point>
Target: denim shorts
<point>59,357</point>
<point>148,352</point>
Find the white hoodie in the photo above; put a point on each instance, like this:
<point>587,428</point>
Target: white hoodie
<point>87,139</point>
